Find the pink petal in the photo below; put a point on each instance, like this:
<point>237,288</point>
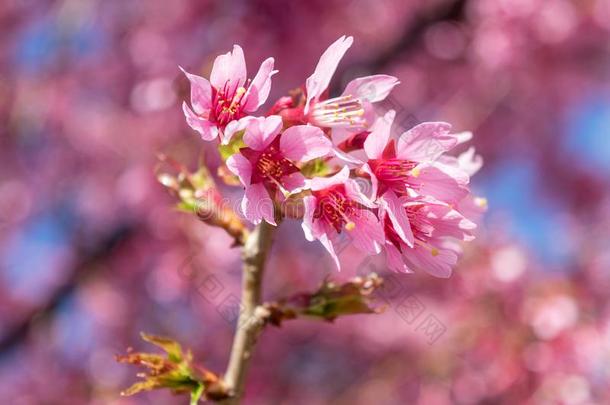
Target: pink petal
<point>257,205</point>
<point>394,259</point>
<point>377,140</point>
<point>374,182</point>
<point>449,222</point>
<point>206,129</point>
<point>314,230</point>
<point>304,142</point>
<point>463,137</point>
<point>320,183</point>
<point>272,125</point>
<point>233,127</point>
<point>347,157</point>
<point>451,245</point>
<point>340,134</point>
<point>261,131</point>
<point>470,162</point>
<point>328,244</point>
<point>368,234</point>
<point>393,206</point>
<point>426,141</point>
<point>260,86</point>
<point>473,207</point>
<point>201,92</point>
<point>356,189</point>
<point>431,181</point>
<point>241,167</point>
<point>371,88</point>
<point>438,262</point>
<point>309,206</point>
<point>294,182</point>
<point>451,169</point>
<point>230,67</point>
<point>319,80</point>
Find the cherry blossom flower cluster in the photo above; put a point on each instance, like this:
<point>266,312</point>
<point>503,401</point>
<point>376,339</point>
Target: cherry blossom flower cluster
<point>337,160</point>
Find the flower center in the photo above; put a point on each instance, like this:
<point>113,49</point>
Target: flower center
<point>227,104</point>
<point>421,227</point>
<point>344,111</point>
<point>270,165</point>
<point>394,173</point>
<point>335,207</point>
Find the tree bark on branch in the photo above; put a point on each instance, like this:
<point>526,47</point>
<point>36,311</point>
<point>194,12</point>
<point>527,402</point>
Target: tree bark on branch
<point>251,320</point>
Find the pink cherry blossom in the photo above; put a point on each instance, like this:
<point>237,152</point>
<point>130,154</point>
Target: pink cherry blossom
<point>221,104</point>
<point>337,204</point>
<point>432,229</point>
<point>352,110</point>
<point>268,163</point>
<point>413,166</point>
<point>419,193</point>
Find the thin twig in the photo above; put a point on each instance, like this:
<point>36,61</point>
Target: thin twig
<point>405,43</point>
<point>77,275</point>
<point>250,322</point>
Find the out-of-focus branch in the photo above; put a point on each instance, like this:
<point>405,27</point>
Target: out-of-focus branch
<point>77,274</point>
<point>409,38</point>
<point>252,316</point>
<point>451,10</point>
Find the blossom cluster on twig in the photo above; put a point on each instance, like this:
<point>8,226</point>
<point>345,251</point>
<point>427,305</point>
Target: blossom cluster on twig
<point>336,159</point>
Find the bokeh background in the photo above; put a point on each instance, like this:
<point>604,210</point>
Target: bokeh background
<point>92,251</point>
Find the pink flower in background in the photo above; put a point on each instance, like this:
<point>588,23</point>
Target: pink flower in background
<point>221,104</point>
<point>336,204</point>
<point>268,163</point>
<point>432,228</point>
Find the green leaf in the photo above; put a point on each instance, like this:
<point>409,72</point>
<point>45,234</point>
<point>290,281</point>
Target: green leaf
<point>236,143</point>
<point>171,347</point>
<point>196,394</point>
<point>140,386</point>
<point>315,168</point>
<point>175,371</point>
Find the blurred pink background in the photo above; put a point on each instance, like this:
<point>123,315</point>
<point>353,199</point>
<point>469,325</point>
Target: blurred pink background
<point>92,252</point>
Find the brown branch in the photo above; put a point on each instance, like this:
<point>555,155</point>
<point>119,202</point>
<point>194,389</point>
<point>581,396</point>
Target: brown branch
<point>251,318</point>
<point>82,270</point>
<point>198,194</point>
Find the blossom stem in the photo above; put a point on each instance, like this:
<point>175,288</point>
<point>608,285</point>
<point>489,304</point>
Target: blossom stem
<point>251,318</point>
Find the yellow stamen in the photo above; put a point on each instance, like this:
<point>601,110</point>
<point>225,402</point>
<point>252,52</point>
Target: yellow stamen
<point>237,97</point>
<point>350,226</point>
<point>240,91</point>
